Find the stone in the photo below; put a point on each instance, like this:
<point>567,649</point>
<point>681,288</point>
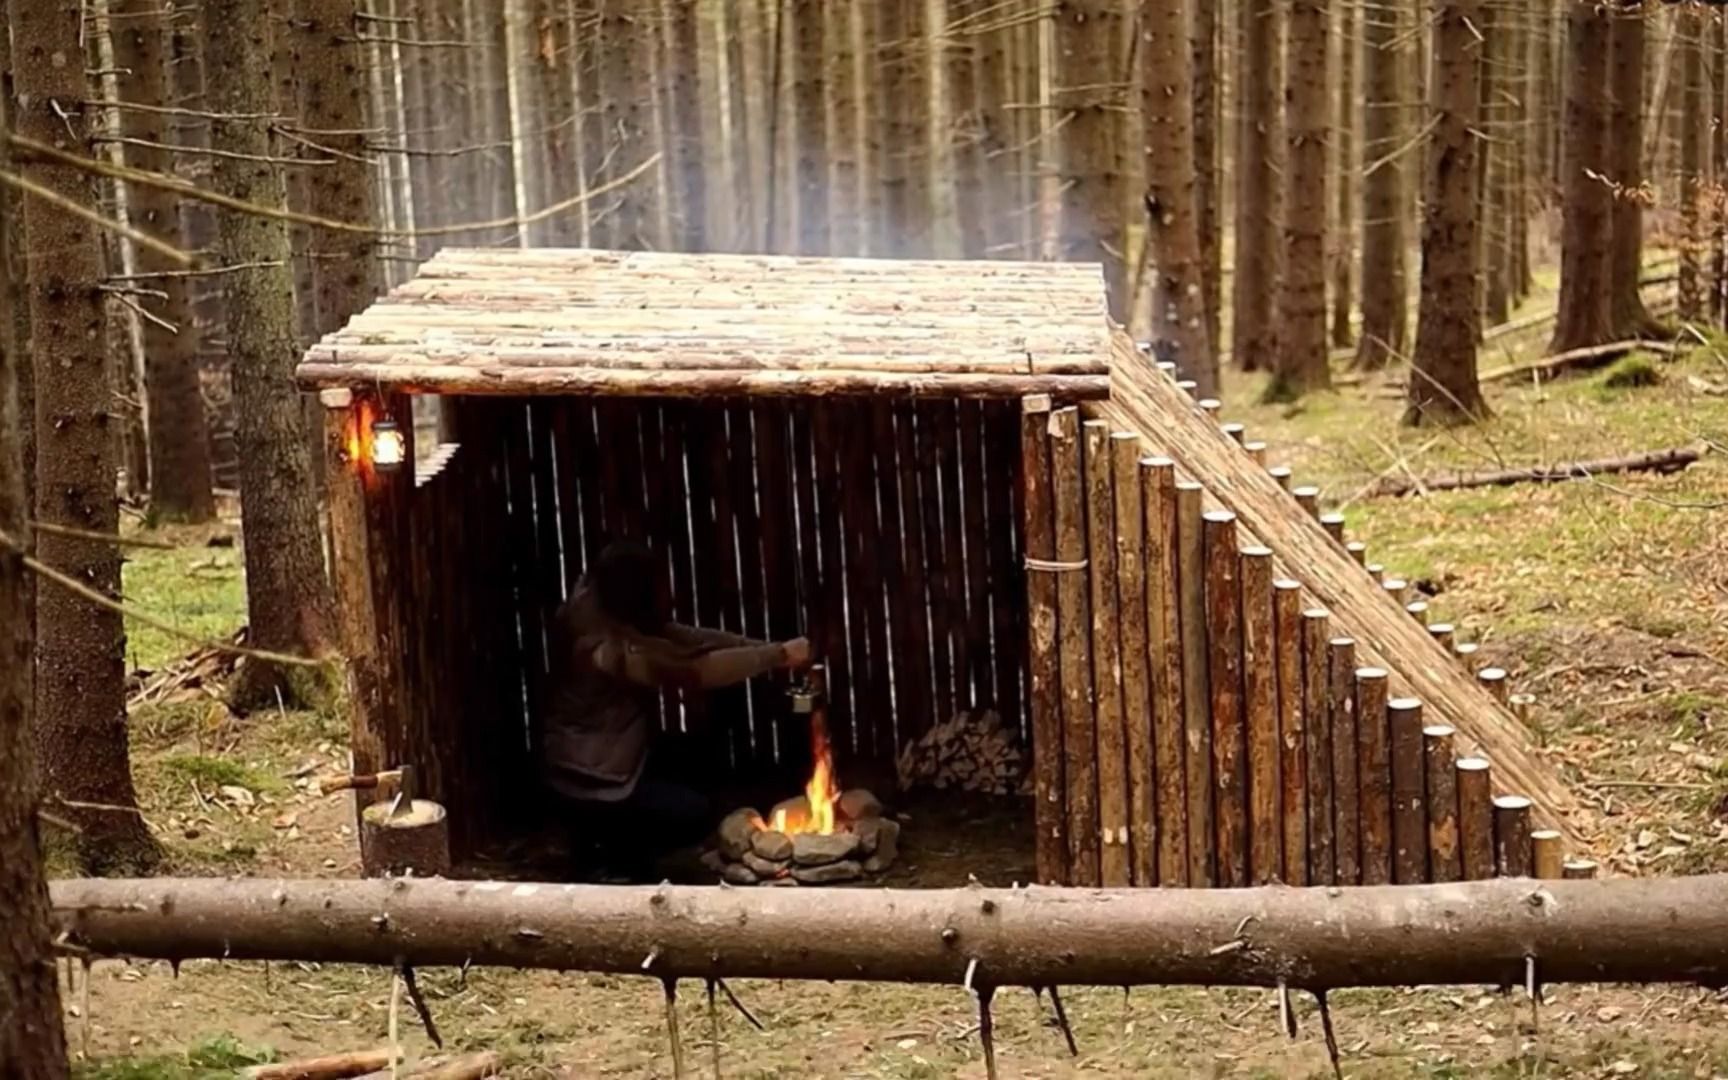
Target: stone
<point>764,868</point>
<point>787,882</point>
<point>869,835</point>
<point>737,831</point>
<point>828,873</point>
<point>887,847</point>
<point>811,849</point>
<point>738,874</point>
<point>797,811</point>
<point>773,846</point>
<point>714,861</point>
<point>859,805</point>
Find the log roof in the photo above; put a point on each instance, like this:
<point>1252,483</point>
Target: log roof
<point>604,323</point>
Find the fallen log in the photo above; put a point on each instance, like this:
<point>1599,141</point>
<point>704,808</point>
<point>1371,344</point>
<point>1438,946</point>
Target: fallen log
<point>1626,930</point>
<point>1587,357</point>
<point>1661,461</point>
<point>328,1067</point>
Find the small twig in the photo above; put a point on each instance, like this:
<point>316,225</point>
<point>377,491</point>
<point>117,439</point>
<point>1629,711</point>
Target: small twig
<point>60,202</point>
<point>714,1027</point>
<point>740,1006</point>
<point>101,537</point>
<point>206,151</point>
<point>212,271</point>
<point>140,310</point>
<point>1062,1022</point>
<point>986,1031</point>
<point>419,1002</point>
<point>671,987</point>
<point>395,1011</point>
<point>1331,1035</point>
<point>1533,988</point>
<point>84,1011</point>
<point>1658,785</point>
<point>167,110</point>
<point>1286,1011</point>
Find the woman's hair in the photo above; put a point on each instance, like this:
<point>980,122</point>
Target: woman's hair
<point>624,580</point>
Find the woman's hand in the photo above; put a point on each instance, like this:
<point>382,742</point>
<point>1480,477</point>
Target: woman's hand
<point>799,653</point>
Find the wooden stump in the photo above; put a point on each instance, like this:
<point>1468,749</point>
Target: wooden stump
<point>415,841</point>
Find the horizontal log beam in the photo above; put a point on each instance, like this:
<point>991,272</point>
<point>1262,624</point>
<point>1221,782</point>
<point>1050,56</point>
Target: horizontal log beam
<point>1629,930</point>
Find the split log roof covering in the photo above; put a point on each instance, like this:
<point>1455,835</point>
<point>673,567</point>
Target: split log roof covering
<point>603,323</point>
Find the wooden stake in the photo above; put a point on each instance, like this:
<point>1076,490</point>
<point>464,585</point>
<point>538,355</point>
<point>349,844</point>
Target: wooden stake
<point>1131,566</point>
<point>1439,768</point>
<point>1282,474</point>
<point>1376,571</point>
<point>1292,746</point>
<point>1418,610</point>
<point>1409,801</point>
<point>1196,684</point>
<point>1466,651</point>
<point>1074,636</point>
<point>1548,861</point>
<point>1521,705</point>
<point>1512,853</point>
<point>1475,818</point>
<point>1397,588</point>
<point>1044,673</point>
<point>1442,632</point>
<point>1358,551</point>
<point>1579,869</point>
<point>671,987</point>
<point>1260,712</point>
<point>1346,801</point>
<point>1494,681</point>
<point>1224,661</point>
<point>1164,639</point>
<point>987,1031</point>
<point>1256,450</point>
<point>1112,735</point>
<point>1309,498</point>
<point>1238,432</point>
<point>1374,775</point>
<point>1333,523</point>
<point>1317,723</point>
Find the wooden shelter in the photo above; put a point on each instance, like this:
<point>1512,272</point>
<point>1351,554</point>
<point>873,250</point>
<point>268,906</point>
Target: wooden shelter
<point>826,447</point>
<point>966,487</point>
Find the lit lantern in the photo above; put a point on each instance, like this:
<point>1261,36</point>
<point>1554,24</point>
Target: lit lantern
<point>389,445</point>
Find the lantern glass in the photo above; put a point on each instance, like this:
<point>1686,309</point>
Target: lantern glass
<point>389,445</point>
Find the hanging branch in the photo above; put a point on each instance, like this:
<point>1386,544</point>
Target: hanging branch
<point>137,236</point>
<point>102,537</point>
<point>740,1006</point>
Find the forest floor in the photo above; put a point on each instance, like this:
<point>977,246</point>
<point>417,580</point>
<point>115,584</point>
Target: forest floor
<point>1606,599</point>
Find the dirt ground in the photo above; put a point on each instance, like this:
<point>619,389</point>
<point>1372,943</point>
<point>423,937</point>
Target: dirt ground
<point>1606,599</point>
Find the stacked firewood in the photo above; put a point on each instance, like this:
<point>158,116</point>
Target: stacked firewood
<point>972,751</point>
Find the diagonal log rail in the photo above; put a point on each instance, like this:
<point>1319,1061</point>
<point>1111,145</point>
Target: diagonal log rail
<point>1485,932</point>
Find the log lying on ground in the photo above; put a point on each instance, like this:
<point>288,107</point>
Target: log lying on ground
<point>328,1067</point>
<point>1629,930</point>
<point>1661,461</point>
<point>1573,359</point>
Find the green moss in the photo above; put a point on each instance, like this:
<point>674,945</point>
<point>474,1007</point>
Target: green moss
<point>211,1057</point>
<point>1631,372</point>
<point>215,772</point>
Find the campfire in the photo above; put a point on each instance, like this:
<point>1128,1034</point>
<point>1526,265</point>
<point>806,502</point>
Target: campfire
<point>822,837</point>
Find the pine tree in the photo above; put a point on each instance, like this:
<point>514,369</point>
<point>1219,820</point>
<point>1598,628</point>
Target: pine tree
<point>1626,168</point>
<point>1583,317</point>
<point>1300,364</point>
<point>1208,188</point>
<point>1349,46</point>
<point>1088,95</point>
<point>1385,317</point>
<point>1694,118</point>
<point>1259,188</point>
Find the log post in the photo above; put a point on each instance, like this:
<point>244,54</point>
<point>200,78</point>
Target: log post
<point>1442,779</point>
<point>1512,854</point>
<point>1494,681</point>
<point>1164,638</point>
<point>1418,610</point>
<point>1257,451</point>
<point>1397,588</point>
<point>1333,523</point>
<point>1358,551</point>
<point>1112,735</point>
<point>1224,662</point>
<point>1475,818</point>
<point>1074,641</point>
<point>1237,432</point>
<point>1578,869</point>
<point>1292,746</point>
<point>1374,775</point>
<point>1308,497</point>
<point>1282,474</point>
<point>1196,684</point>
<point>1377,572</point>
<point>1521,705</point>
<point>1346,801</point>
<point>1317,723</point>
<point>1260,711</point>
<point>1409,798</point>
<point>1465,652</point>
<point>1210,407</point>
<point>1548,861</point>
<point>1131,567</point>
<point>1442,632</point>
<point>1038,514</point>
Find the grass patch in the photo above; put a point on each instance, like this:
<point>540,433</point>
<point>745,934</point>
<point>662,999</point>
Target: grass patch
<point>197,589</point>
<point>1632,372</point>
<point>215,772</point>
<point>211,1057</point>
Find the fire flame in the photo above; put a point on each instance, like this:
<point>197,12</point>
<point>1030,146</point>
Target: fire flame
<point>822,792</point>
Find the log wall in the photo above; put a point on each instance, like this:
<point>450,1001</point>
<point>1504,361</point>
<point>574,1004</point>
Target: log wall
<point>886,532</point>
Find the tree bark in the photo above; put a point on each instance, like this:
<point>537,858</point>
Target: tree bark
<point>1344,140</point>
<point>1626,169</point>
<point>80,647</point>
<point>809,105</point>
<point>1089,98</point>
<point>32,1035</point>
<point>1625,930</point>
<point>1259,195</point>
<point>1497,63</point>
<point>1300,362</point>
<point>1385,318</point>
<point>688,170</point>
<point>1583,316</point>
<point>1208,192</point>
<point>1443,386</point>
<point>1694,120</point>
<point>1179,318</point>
<point>179,437</point>
<point>288,606</point>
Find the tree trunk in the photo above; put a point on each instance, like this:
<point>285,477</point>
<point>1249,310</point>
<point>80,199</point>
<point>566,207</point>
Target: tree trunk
<point>1300,363</point>
<point>1583,316</point>
<point>1385,318</point>
<point>1694,118</point>
<point>1626,169</point>
<point>1344,139</point>
<point>1088,96</point>
<point>1167,110</point>
<point>1208,192</point>
<point>287,604</point>
<point>853,131</point>
<point>1496,66</point>
<point>1479,932</point>
<point>1259,188</point>
<point>809,105</point>
<point>179,436</point>
<point>32,1034</point>
<point>80,647</point>
<point>1443,387</point>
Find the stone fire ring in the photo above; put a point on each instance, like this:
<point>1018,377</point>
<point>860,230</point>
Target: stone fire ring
<point>864,843</point>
